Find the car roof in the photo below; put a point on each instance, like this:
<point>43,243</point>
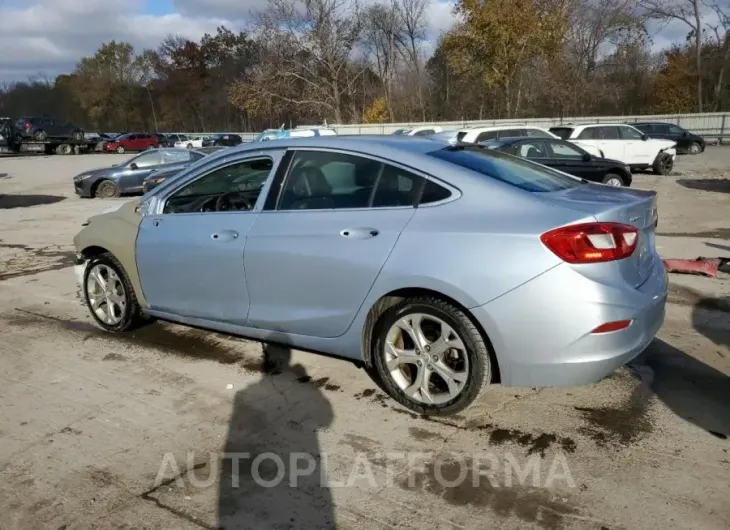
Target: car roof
<point>498,128</point>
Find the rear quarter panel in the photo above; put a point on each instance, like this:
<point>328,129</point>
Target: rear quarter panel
<point>117,233</point>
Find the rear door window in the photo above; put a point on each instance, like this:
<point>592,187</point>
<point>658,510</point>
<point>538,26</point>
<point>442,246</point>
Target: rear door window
<point>511,133</point>
<point>486,135</point>
<point>562,132</point>
<point>609,133</point>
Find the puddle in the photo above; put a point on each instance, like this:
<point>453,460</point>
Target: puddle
<point>717,233</point>
<point>717,185</point>
<point>684,296</point>
<point>26,201</point>
<point>34,260</point>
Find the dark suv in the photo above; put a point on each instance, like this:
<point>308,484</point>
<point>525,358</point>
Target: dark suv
<point>42,128</point>
<point>687,142</point>
<point>225,140</point>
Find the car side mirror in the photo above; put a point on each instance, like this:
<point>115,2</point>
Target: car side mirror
<point>587,157</point>
<point>133,165</point>
<point>645,137</point>
<point>685,134</point>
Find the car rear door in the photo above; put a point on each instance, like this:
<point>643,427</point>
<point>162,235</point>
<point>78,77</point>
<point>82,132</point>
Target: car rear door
<point>314,253</point>
<point>190,251</point>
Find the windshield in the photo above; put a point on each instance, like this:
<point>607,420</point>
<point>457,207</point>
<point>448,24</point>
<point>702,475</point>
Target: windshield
<point>562,132</point>
<point>511,170</point>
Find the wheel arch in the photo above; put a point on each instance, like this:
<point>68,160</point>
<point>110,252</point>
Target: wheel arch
<point>394,297</point>
<point>93,250</point>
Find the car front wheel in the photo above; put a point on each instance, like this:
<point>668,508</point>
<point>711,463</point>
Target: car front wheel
<point>120,150</point>
<point>430,356</point>
<point>663,164</point>
<point>109,294</point>
<point>694,148</point>
<point>107,190</point>
<point>611,179</point>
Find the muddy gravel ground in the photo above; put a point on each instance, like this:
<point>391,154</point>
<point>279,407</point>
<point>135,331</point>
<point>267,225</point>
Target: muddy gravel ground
<point>173,428</point>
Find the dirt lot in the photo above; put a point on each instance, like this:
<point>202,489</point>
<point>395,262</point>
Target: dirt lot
<point>142,430</point>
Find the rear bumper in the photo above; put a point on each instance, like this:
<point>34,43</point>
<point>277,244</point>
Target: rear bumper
<point>541,331</point>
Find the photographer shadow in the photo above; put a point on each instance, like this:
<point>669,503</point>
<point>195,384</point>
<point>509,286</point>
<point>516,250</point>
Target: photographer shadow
<point>272,475</point>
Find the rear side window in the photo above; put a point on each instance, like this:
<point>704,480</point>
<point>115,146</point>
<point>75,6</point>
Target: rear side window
<point>432,192</point>
<point>562,132</point>
<point>487,135</point>
<point>589,133</point>
<point>460,135</point>
<point>516,172</point>
<point>510,133</point>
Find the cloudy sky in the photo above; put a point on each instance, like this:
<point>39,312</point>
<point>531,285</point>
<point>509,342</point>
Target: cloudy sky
<point>49,36</point>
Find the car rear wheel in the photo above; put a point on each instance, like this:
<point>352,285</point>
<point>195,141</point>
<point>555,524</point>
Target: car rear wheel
<point>107,190</point>
<point>120,149</point>
<point>109,294</point>
<point>77,135</point>
<point>612,179</point>
<point>694,148</point>
<point>663,164</point>
<point>430,357</point>
<point>40,135</point>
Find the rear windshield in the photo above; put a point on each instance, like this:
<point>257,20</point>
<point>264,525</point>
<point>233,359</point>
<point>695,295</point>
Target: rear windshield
<point>563,132</point>
<point>509,169</point>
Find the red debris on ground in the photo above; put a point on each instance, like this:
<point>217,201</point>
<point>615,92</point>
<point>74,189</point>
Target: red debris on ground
<point>701,266</point>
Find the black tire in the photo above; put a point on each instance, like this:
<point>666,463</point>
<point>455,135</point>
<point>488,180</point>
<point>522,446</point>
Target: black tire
<point>40,135</point>
<point>77,136</point>
<point>132,317</point>
<point>120,150</point>
<point>107,190</point>
<point>694,148</point>
<point>189,146</point>
<point>609,177</point>
<point>64,149</point>
<point>663,164</point>
<point>480,367</point>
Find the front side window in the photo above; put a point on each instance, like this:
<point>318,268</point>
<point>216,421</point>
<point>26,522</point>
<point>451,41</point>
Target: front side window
<point>565,151</point>
<point>147,160</point>
<point>235,187</point>
<point>530,150</point>
<point>629,133</point>
<point>538,133</point>
<point>609,133</point>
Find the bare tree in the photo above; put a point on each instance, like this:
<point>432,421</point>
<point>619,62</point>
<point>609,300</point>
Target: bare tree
<point>380,36</point>
<point>689,12</point>
<point>721,31</point>
<point>413,18</point>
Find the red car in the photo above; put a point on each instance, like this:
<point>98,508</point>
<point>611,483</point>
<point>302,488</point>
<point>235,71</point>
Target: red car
<point>132,142</point>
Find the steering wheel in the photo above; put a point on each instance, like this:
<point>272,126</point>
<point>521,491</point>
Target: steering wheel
<point>224,199</point>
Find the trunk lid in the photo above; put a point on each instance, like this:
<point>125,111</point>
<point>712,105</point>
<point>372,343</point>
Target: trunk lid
<point>619,205</point>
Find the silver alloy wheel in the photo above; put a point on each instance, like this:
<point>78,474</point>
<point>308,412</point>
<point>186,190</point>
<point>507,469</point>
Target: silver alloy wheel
<point>615,182</point>
<point>419,347</point>
<point>105,291</point>
<point>694,148</point>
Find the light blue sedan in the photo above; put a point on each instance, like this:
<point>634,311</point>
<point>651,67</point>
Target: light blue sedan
<point>443,268</point>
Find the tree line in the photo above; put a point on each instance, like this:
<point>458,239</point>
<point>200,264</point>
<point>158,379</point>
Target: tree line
<point>341,61</point>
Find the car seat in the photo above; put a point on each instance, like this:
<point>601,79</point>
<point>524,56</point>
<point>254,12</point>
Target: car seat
<point>309,190</point>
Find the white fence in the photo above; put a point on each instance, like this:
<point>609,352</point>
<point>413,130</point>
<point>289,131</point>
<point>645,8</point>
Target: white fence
<point>710,124</point>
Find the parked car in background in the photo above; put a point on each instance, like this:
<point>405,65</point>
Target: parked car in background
<point>162,140</point>
<point>174,138</point>
<point>624,143</point>
<point>567,157</point>
<point>42,128</point>
<point>113,181</point>
<point>478,135</point>
<point>225,140</point>
<point>421,130</point>
<point>687,142</point>
<point>132,142</point>
<point>445,136</point>
<point>344,262</point>
<point>158,176</point>
<point>191,142</point>
<point>278,134</point>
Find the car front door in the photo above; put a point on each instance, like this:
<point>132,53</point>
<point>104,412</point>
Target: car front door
<point>138,169</point>
<point>571,159</point>
<point>190,251</point>
<point>313,255</point>
<point>637,150</point>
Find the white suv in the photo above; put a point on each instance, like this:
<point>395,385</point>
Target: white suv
<point>477,135</point>
<point>623,142</point>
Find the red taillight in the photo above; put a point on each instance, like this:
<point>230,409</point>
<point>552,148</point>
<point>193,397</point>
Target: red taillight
<point>592,242</point>
<point>612,326</point>
<point>28,126</point>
